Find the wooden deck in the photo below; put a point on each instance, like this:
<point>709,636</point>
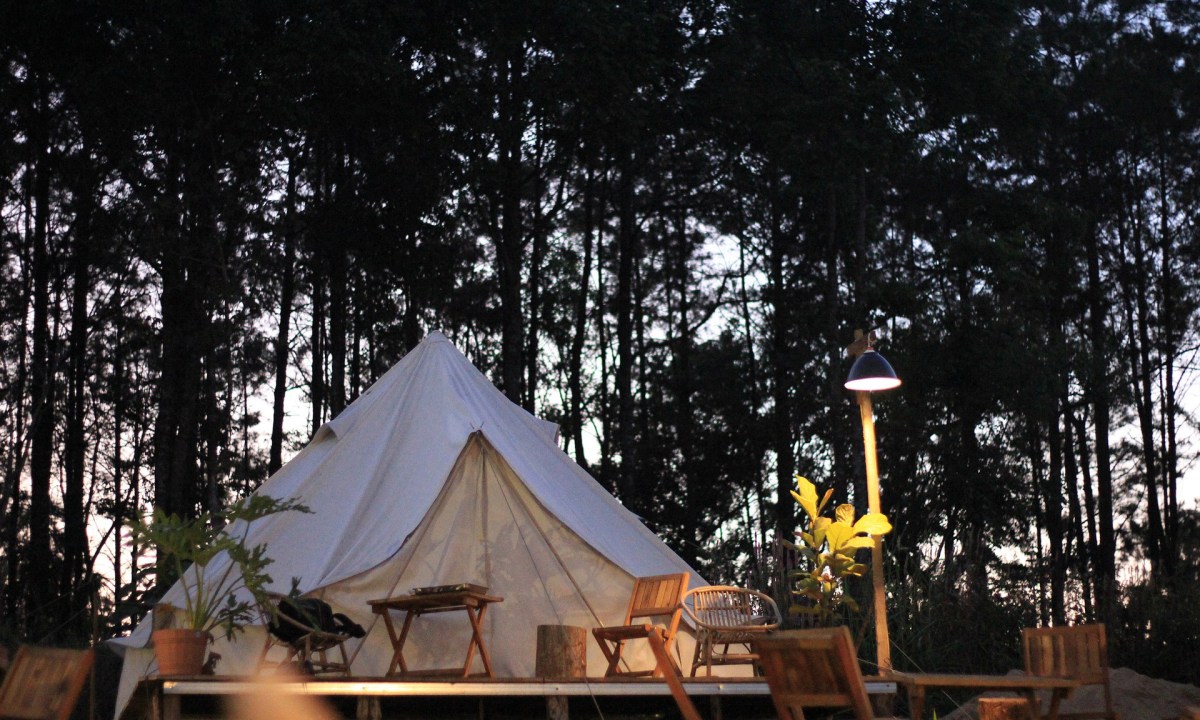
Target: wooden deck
<point>202,697</point>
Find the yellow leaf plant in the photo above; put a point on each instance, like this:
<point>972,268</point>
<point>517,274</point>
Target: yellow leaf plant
<point>827,548</point>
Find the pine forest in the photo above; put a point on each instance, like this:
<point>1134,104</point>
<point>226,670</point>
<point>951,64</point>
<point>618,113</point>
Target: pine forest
<point>656,223</point>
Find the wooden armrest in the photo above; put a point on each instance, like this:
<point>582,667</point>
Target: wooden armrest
<point>626,632</point>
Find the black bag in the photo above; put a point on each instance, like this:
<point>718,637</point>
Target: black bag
<point>312,613</point>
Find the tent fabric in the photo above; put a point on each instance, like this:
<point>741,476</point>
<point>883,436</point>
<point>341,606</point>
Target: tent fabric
<point>431,477</point>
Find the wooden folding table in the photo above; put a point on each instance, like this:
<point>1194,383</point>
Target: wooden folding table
<point>1024,685</point>
<point>474,603</point>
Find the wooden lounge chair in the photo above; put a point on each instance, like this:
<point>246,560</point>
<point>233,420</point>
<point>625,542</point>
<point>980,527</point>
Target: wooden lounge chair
<point>655,597</point>
<point>813,668</point>
<point>1079,653</point>
<point>727,620</point>
<point>308,647</point>
<point>44,683</point>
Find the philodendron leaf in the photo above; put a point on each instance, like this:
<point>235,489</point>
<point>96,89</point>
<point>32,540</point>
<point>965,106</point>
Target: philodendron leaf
<point>838,534</point>
<point>806,495</point>
<point>873,524</point>
<point>819,527</point>
<point>825,500</point>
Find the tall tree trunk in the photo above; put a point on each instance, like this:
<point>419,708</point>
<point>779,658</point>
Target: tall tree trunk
<point>781,418</point>
<point>338,309</point>
<point>764,524</point>
<point>1082,553</point>
<point>287,293</point>
<point>626,252</point>
<point>1141,365</point>
<point>1055,537</point>
<point>1036,466</point>
<point>339,268</point>
<point>210,432</point>
<point>40,580</point>
<point>511,241</point>
<point>317,381</point>
<point>75,545</point>
<point>1168,353</point>
<point>118,476</point>
<point>684,390</point>
<point>839,429</point>
<point>14,465</point>
<point>608,420</point>
<point>575,361</point>
<point>858,302</point>
<point>1106,550</point>
<point>644,485</point>
<point>536,260</point>
<point>183,336</point>
<point>359,335</point>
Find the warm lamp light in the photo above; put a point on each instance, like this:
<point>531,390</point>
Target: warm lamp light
<point>871,372</point>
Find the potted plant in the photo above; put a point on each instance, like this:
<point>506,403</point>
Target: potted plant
<point>828,546</point>
<point>226,595</point>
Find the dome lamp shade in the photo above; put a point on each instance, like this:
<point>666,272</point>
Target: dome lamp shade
<point>871,372</point>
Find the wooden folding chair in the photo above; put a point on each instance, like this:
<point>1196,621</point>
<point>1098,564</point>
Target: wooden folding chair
<point>658,596</point>
<point>44,683</point>
<point>1079,653</point>
<point>813,668</point>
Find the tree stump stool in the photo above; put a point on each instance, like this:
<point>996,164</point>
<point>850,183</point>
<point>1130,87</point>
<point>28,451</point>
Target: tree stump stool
<point>561,655</point>
<point>1005,708</point>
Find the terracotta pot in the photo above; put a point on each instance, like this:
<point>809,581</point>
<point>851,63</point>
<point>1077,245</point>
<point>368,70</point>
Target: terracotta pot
<point>180,651</point>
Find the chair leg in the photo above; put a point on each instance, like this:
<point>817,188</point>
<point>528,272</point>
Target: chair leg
<point>670,658</point>
<point>614,663</point>
<point>666,665</point>
<point>262,657</point>
<point>612,653</point>
<point>345,661</point>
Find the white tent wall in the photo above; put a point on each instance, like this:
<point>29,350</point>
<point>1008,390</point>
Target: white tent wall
<point>545,573</point>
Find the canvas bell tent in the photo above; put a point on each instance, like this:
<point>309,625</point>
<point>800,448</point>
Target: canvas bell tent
<point>434,477</point>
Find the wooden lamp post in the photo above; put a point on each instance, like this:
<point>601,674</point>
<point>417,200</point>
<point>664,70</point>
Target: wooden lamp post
<point>871,373</point>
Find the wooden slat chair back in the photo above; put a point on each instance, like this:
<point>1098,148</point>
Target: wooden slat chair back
<point>44,683</point>
<point>727,620</point>
<point>656,600</point>
<point>1077,652</point>
<point>311,653</point>
<point>657,596</point>
<point>813,668</point>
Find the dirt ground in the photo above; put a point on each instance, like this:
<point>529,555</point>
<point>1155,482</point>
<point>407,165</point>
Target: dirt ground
<point>1135,697</point>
